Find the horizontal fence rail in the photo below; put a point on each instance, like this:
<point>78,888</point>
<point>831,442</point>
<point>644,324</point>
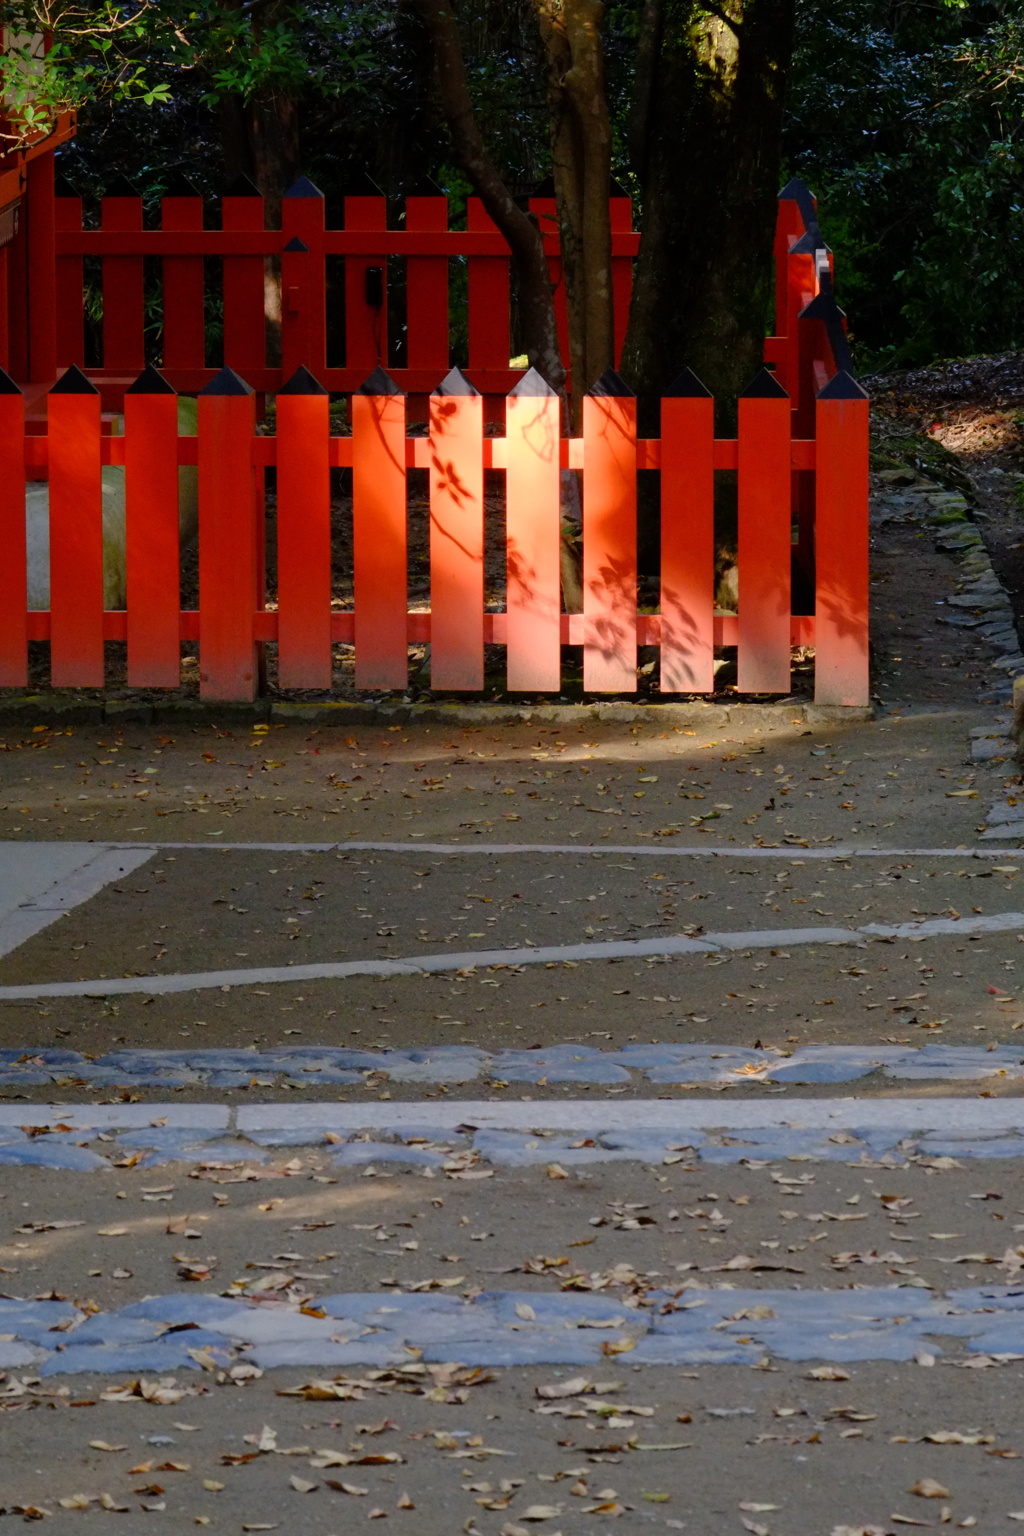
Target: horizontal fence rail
<point>234,619</point>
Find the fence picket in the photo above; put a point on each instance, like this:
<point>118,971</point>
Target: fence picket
<point>303,534</point>
<point>379,533</point>
<point>123,285</point>
<point>366,296</point>
<point>13,571</point>
<point>488,299</point>
<point>765,538</point>
<point>426,284</point>
<point>841,625</point>
<point>245,336</point>
<point>303,289</point>
<point>70,280</point>
<point>532,536</point>
<point>456,535</point>
<point>184,331</point>
<point>228,544</point>
<point>609,537</point>
<point>151,532</point>
<point>76,533</point>
<point>687,537</point>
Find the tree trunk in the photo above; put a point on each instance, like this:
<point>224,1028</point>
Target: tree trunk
<point>536,306</point>
<point>260,138</point>
<point>710,159</point>
<point>581,148</point>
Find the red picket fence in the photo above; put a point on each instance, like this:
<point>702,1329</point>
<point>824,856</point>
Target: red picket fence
<point>233,618</point>
<point>43,289</point>
<point>801,451</point>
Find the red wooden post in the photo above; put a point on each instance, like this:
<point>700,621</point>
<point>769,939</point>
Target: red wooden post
<point>303,533</point>
<point>620,212</point>
<point>841,625</point>
<point>151,532</point>
<point>765,539</point>
<point>228,543</point>
<point>533,535</point>
<point>42,267</point>
<point>123,294</point>
<point>303,285</point>
<point>488,293</point>
<point>5,300</point>
<point>70,296</point>
<point>76,533</point>
<point>379,533</point>
<point>184,306</point>
<point>796,209</point>
<point>245,335</point>
<point>426,283</point>
<point>803,285</point>
<point>609,537</point>
<point>17,310</point>
<point>13,582</point>
<point>456,534</point>
<point>366,285</point>
<point>687,537</point>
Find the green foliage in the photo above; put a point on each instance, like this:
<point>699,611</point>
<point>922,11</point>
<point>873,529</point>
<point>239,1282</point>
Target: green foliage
<point>907,121</point>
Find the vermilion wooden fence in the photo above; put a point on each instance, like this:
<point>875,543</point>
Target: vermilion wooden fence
<point>45,302</point>
<point>233,617</point>
<point>801,448</point>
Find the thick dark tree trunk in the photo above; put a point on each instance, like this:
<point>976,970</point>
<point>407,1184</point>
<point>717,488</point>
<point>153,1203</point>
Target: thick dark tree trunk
<point>536,305</point>
<point>581,150</point>
<point>708,149</point>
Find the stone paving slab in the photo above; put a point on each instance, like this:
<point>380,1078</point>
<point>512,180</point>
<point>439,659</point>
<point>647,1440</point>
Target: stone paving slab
<point>508,1328</point>
<point>891,1132</point>
<point>657,1063</point>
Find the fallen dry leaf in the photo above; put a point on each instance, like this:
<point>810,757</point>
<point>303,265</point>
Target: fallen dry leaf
<point>928,1488</point>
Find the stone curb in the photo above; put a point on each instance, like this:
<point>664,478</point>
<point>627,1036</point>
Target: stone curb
<point>31,709</point>
<point>326,1065</point>
<point>714,1327</point>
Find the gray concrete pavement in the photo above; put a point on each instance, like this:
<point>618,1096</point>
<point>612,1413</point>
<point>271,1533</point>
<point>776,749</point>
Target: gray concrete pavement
<point>748,1218</point>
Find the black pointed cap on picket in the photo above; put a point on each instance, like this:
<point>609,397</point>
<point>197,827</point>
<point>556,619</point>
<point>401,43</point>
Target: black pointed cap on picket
<point>121,187</point>
<point>455,383</point>
<point>616,189</point>
<point>295,244</point>
<point>610,384</point>
<point>227,382</point>
<point>303,187</point>
<point>178,185</point>
<point>7,384</point>
<point>379,382</point>
<point>74,382</point>
<point>687,386</point>
<point>62,187</point>
<point>811,240</point>
<point>843,386</point>
<point>822,307</point>
<point>764,386</point>
<point>150,382</point>
<point>532,386</point>
<point>361,184</point>
<point>545,188</point>
<point>302,382</point>
<point>242,187</point>
<point>797,191</point>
